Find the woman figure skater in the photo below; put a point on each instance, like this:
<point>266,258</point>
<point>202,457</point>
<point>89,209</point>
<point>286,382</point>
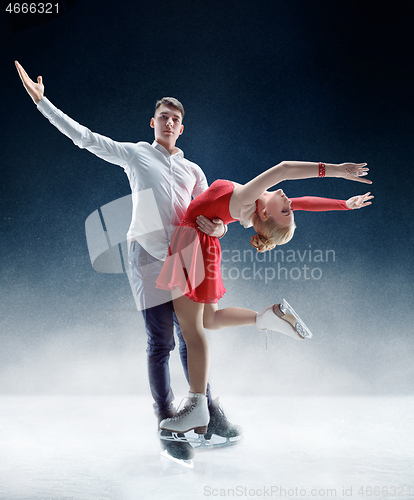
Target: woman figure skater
<point>192,268</point>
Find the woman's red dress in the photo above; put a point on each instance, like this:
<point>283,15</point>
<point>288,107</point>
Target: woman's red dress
<point>194,258</point>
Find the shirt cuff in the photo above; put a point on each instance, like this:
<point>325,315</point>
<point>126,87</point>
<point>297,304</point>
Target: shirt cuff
<point>226,227</point>
<point>45,106</point>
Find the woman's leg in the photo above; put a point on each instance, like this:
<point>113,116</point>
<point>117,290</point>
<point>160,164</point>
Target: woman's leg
<point>271,318</point>
<point>190,317</point>
<point>214,318</point>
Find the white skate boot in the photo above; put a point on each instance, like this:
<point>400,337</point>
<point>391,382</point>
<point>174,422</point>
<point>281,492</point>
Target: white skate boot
<point>283,319</point>
<point>193,416</point>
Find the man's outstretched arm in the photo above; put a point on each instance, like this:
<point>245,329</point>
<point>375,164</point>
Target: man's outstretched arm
<point>101,146</point>
<point>105,148</point>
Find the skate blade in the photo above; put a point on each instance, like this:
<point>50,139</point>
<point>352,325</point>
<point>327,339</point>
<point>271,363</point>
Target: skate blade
<point>165,456</point>
<point>198,430</point>
<point>198,441</point>
<point>202,444</point>
<point>300,325</point>
<point>178,437</point>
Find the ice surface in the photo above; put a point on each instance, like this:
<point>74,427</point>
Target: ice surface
<point>98,448</point>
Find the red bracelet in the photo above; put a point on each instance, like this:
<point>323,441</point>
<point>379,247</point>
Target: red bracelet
<point>321,169</point>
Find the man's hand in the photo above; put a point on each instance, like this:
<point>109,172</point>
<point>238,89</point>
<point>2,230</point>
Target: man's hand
<point>35,90</point>
<point>359,201</point>
<point>213,227</point>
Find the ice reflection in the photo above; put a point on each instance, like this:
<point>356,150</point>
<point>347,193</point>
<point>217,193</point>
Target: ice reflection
<point>105,447</point>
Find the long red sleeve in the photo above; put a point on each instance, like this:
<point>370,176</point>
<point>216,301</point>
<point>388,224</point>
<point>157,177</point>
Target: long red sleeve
<point>315,204</point>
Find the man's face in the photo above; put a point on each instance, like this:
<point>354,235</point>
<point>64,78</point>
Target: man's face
<point>167,124</point>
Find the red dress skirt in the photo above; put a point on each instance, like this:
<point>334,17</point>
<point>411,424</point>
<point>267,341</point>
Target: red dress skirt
<point>194,259</point>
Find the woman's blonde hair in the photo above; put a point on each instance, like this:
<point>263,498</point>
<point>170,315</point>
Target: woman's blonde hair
<point>270,233</point>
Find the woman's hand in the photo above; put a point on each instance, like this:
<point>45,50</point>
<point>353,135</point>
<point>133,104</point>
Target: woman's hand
<point>350,171</point>
<point>35,90</point>
<point>359,201</point>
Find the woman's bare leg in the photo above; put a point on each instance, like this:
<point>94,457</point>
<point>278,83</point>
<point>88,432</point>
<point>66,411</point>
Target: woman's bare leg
<point>190,317</point>
<point>215,318</point>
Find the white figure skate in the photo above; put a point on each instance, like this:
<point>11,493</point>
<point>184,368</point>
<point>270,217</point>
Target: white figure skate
<point>193,416</point>
<point>282,318</point>
<point>220,432</point>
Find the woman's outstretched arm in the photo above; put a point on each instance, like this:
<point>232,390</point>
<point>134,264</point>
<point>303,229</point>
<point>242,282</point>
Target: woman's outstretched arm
<point>290,170</point>
<point>317,204</point>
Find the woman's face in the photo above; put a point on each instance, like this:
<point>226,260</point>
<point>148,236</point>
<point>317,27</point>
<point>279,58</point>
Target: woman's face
<point>277,204</point>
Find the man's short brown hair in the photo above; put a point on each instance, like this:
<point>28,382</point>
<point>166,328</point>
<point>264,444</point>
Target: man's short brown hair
<point>171,101</point>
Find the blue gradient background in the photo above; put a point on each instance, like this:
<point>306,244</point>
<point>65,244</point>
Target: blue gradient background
<point>261,82</point>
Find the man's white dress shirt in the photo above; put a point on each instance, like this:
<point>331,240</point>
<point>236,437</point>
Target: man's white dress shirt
<point>162,185</point>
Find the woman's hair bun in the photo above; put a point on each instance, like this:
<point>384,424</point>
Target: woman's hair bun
<point>270,233</point>
<point>261,243</point>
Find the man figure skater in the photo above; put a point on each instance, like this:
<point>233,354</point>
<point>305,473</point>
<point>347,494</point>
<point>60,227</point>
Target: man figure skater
<point>169,182</point>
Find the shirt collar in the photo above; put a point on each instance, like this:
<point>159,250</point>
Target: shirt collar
<point>158,146</point>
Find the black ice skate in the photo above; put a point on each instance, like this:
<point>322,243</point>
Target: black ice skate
<point>220,431</point>
<point>174,446</point>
